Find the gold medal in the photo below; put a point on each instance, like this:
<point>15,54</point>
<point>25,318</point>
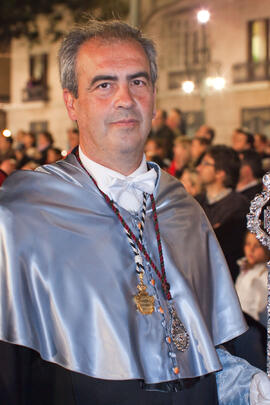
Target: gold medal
<point>144,301</point>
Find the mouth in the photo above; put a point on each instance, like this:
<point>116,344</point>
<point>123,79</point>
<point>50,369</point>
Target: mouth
<point>125,123</point>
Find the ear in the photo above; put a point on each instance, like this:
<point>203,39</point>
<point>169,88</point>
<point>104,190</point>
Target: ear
<point>70,102</point>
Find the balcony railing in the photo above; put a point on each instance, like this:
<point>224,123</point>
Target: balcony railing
<point>37,92</point>
<point>251,72</point>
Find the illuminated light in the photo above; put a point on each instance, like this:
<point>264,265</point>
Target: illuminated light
<point>218,83</point>
<point>203,16</point>
<point>209,81</point>
<point>64,153</point>
<point>188,86</point>
<point>7,133</point>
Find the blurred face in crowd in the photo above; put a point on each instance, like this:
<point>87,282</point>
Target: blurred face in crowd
<point>73,139</point>
<point>8,166</point>
<point>191,182</point>
<point>115,103</point>
<point>239,142</point>
<point>151,149</point>
<point>207,170</point>
<point>173,120</point>
<point>43,141</point>
<point>28,140</point>
<point>181,154</point>
<point>158,120</point>
<point>197,148</point>
<point>5,145</point>
<point>259,144</point>
<point>53,156</point>
<point>254,252</point>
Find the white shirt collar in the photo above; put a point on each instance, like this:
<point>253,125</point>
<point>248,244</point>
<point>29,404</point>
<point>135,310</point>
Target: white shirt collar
<point>130,199</point>
<point>99,171</point>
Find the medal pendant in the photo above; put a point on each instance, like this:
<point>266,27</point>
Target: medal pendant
<point>178,332</point>
<point>144,301</point>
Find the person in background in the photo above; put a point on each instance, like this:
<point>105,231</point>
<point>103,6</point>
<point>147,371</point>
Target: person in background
<point>206,132</point>
<point>175,121</point>
<point>191,181</point>
<point>53,155</point>
<point>27,151</point>
<point>181,156</point>
<point>260,145</point>
<point>155,151</point>
<point>242,140</point>
<point>251,283</point>
<point>6,149</point>
<point>7,166</point>
<point>73,139</point>
<point>251,172</point>
<point>251,287</point>
<point>44,142</point>
<point>161,131</point>
<point>198,149</point>
<point>225,208</point>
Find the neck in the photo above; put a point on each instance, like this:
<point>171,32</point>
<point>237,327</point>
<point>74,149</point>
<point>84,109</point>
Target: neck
<point>212,190</point>
<point>122,164</point>
<point>243,182</point>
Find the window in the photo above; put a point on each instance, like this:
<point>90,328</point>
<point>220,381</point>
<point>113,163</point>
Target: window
<point>36,86</point>
<point>258,40</point>
<point>257,67</point>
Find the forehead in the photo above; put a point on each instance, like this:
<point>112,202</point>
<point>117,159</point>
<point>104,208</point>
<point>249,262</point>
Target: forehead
<point>209,158</point>
<point>104,56</point>
<point>250,237</point>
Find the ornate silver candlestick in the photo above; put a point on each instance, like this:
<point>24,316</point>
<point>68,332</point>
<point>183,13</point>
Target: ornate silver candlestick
<point>263,235</point>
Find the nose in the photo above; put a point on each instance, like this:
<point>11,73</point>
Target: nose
<point>124,97</point>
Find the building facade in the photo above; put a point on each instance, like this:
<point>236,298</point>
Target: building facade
<point>233,44</point>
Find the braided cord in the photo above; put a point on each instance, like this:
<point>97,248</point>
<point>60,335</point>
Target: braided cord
<point>137,242</point>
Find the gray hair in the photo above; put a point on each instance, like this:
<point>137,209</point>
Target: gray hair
<point>105,30</point>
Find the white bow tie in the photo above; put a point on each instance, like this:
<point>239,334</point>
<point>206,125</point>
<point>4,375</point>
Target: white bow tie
<point>128,192</point>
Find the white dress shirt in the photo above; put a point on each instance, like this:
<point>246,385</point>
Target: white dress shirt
<point>126,191</point>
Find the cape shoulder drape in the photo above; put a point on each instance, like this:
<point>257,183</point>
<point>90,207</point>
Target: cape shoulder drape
<point>68,278</point>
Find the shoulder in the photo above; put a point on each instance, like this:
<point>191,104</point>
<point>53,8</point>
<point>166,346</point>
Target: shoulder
<point>173,202</point>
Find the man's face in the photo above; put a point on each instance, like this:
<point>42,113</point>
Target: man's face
<point>239,142</point>
<point>158,120</point>
<point>173,120</point>
<point>115,101</point>
<point>207,171</point>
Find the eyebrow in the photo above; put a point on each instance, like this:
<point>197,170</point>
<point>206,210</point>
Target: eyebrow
<point>99,78</point>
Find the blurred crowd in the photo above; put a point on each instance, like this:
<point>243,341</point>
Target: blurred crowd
<point>222,178</point>
<point>27,151</point>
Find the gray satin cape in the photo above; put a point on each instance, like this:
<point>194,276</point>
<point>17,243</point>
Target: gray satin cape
<point>68,278</point>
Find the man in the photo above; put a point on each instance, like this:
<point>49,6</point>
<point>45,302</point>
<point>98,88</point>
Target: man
<point>198,149</point>
<point>98,272</point>
<point>261,144</point>
<point>73,138</point>
<point>6,149</point>
<point>206,132</point>
<point>242,140</point>
<point>162,132</point>
<point>250,175</point>
<point>176,122</point>
<point>225,208</point>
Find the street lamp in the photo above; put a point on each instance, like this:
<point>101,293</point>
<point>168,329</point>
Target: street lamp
<point>6,133</point>
<point>188,86</point>
<point>203,16</point>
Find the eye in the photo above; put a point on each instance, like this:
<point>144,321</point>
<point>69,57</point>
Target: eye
<point>138,82</point>
<point>104,85</point>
